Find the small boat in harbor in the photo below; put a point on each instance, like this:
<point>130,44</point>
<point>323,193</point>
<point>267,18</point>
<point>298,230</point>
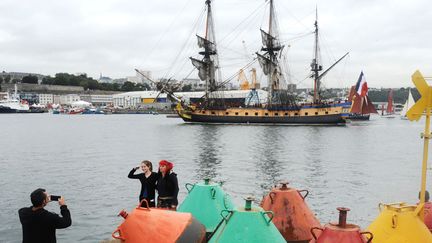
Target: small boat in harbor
<point>12,104</point>
<point>388,112</point>
<point>360,105</point>
<point>408,104</point>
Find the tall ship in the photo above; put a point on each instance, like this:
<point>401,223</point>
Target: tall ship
<point>281,106</point>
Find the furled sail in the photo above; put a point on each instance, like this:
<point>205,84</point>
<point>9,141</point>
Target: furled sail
<point>209,46</point>
<point>269,41</point>
<point>266,64</point>
<point>202,68</point>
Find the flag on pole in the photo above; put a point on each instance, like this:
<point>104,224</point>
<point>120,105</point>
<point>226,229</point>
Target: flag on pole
<point>361,86</point>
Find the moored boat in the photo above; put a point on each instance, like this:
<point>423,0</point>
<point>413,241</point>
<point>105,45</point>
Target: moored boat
<point>281,107</point>
<point>408,104</point>
<point>360,106</point>
<point>388,112</point>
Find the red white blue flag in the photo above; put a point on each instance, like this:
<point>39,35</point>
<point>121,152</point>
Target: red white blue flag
<point>361,86</point>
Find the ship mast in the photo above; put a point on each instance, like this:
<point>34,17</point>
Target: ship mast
<point>315,66</point>
<point>269,59</point>
<point>209,63</point>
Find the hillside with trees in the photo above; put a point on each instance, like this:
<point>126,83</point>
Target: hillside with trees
<point>89,83</point>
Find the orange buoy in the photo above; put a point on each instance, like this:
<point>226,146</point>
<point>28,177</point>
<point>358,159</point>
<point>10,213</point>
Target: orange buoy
<point>341,232</point>
<point>292,216</point>
<point>157,225</point>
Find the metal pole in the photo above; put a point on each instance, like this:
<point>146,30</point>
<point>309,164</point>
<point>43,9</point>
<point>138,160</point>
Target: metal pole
<point>426,137</point>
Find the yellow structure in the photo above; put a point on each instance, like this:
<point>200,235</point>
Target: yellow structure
<point>244,83</point>
<point>148,100</point>
<point>401,223</point>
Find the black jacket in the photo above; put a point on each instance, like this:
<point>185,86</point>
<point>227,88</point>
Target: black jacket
<point>168,186</point>
<point>148,184</point>
<point>40,226</point>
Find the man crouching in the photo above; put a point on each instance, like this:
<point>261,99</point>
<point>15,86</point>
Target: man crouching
<point>38,224</point>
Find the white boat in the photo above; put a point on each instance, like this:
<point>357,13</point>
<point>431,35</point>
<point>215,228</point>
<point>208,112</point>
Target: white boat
<point>408,104</point>
<point>12,104</point>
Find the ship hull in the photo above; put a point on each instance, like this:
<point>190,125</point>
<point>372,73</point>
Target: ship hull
<point>358,117</point>
<point>5,109</point>
<point>328,119</point>
<point>309,116</point>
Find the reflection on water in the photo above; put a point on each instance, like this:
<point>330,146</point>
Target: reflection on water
<point>267,152</point>
<point>208,146</point>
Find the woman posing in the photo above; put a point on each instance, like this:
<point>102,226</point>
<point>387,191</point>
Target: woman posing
<point>148,182</point>
<point>167,186</point>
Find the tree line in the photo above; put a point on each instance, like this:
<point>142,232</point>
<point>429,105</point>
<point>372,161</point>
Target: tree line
<point>399,95</point>
<point>88,83</point>
<point>82,80</point>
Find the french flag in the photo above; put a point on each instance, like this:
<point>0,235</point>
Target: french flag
<point>361,86</point>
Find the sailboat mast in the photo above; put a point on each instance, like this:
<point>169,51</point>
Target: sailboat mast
<point>209,63</point>
<point>269,77</point>
<point>208,2</point>
<point>315,65</point>
<point>271,17</point>
<point>207,56</point>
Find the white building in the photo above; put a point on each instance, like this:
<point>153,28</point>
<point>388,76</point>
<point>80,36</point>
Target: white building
<point>137,99</point>
<point>140,79</point>
<point>68,99</point>
<point>101,99</point>
<point>45,99</point>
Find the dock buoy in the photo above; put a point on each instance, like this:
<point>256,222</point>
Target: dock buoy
<point>399,222</point>
<point>292,216</point>
<point>340,232</point>
<point>246,224</point>
<point>159,226</point>
<point>205,201</point>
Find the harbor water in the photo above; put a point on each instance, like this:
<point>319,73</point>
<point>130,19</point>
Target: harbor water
<point>86,158</point>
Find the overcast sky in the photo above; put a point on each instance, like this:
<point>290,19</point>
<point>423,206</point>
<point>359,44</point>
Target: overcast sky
<point>386,39</point>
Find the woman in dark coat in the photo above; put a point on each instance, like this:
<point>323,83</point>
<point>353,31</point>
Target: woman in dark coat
<point>148,182</point>
<point>167,186</point>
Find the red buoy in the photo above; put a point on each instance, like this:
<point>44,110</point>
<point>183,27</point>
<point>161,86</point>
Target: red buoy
<point>292,216</point>
<point>340,232</point>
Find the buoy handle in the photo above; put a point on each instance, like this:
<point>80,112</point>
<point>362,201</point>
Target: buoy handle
<point>213,193</point>
<point>300,192</point>
<point>394,221</point>
<point>312,231</point>
<point>370,236</point>
<point>226,217</point>
<point>118,237</point>
<point>268,213</point>
<point>187,185</point>
<point>225,198</point>
<point>271,196</point>
<point>146,203</point>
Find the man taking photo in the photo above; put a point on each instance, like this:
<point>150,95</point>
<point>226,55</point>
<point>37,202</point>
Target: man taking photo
<point>38,224</point>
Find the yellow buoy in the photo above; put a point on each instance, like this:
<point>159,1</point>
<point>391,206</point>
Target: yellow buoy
<point>399,223</point>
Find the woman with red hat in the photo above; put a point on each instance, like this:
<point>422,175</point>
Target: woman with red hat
<point>167,186</point>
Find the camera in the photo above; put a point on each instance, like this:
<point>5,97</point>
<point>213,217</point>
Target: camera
<point>54,198</point>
